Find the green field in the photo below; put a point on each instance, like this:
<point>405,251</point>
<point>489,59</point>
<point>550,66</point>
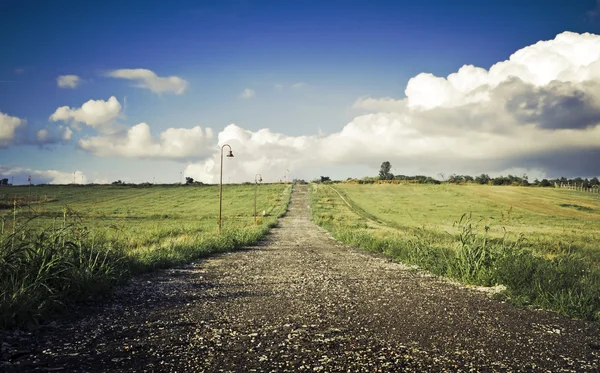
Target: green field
<point>143,209</point>
<point>541,243</point>
<point>64,243</point>
<point>550,218</point>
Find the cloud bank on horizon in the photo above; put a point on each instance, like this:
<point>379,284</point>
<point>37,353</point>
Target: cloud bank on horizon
<point>537,111</point>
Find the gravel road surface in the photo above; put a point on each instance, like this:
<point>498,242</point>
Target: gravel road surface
<point>301,302</point>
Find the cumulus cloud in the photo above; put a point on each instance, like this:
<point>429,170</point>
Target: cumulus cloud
<point>98,114</point>
<point>67,134</point>
<point>43,136</point>
<point>380,105</point>
<point>8,128</point>
<point>138,142</point>
<point>263,151</point>
<point>539,111</point>
<point>20,176</point>
<point>147,79</point>
<point>68,81</point>
<point>247,93</point>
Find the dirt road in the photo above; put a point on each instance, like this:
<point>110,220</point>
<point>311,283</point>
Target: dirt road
<point>302,302</point>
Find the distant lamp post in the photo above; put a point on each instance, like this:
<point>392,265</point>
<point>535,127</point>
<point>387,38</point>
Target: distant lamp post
<point>230,154</point>
<point>29,182</point>
<point>256,181</point>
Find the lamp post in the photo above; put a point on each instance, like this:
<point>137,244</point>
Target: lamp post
<point>29,182</point>
<point>255,191</point>
<point>221,183</point>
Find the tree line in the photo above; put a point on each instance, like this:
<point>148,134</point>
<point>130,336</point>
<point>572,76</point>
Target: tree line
<point>483,179</point>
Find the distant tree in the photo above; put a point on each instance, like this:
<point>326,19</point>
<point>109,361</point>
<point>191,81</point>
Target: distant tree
<point>4,181</point>
<point>118,182</point>
<point>325,178</point>
<point>189,180</point>
<point>454,178</point>
<point>482,179</point>
<point>545,183</point>
<point>384,171</point>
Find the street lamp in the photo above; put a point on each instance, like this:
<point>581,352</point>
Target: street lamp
<point>255,190</point>
<point>221,183</point>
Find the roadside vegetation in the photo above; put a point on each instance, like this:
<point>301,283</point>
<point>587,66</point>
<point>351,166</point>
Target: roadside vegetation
<point>540,244</point>
<point>60,244</point>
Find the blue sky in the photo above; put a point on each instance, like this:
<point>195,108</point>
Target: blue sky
<point>307,62</point>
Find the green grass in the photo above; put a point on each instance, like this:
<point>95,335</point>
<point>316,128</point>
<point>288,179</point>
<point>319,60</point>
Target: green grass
<point>539,243</point>
<point>75,243</point>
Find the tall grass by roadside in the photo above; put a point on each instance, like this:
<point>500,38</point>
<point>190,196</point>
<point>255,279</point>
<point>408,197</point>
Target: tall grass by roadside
<point>43,270</point>
<point>564,282</point>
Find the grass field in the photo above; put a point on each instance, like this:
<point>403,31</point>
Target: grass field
<point>541,243</point>
<point>64,243</point>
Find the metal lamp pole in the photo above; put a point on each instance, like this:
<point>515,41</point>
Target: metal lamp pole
<point>255,191</point>
<point>221,183</point>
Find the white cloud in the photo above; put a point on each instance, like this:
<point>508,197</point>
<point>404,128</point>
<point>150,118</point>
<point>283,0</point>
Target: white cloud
<point>20,176</point>
<point>299,85</point>
<point>149,80</point>
<point>263,151</point>
<point>570,57</point>
<point>19,70</point>
<point>67,134</point>
<point>42,136</point>
<point>537,111</point>
<point>8,128</point>
<point>138,142</point>
<point>247,93</point>
<point>380,104</point>
<point>98,114</point>
<point>68,81</point>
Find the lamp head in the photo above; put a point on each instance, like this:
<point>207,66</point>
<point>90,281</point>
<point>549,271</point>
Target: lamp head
<point>230,154</point>
<point>260,180</point>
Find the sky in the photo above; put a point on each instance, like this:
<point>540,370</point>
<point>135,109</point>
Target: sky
<point>149,91</point>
